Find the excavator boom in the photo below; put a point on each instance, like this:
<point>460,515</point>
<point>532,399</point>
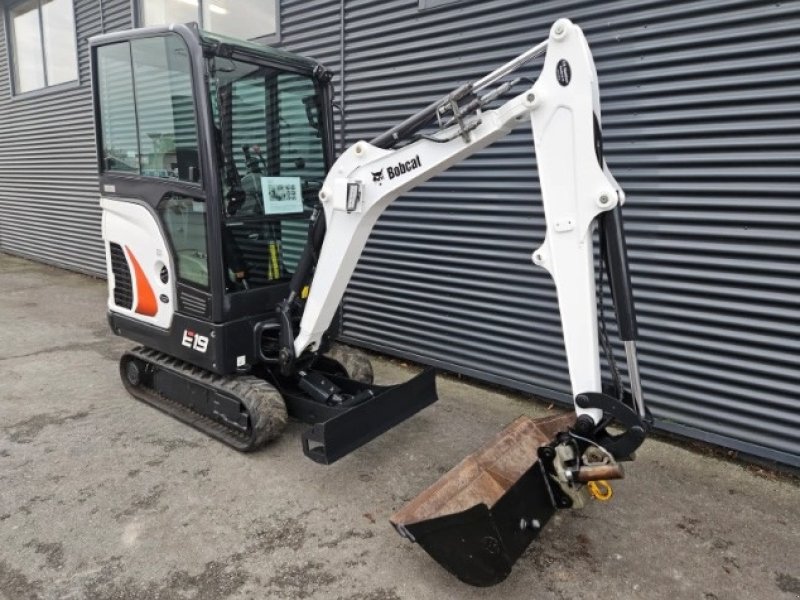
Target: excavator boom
<point>579,194</point>
<point>478,518</point>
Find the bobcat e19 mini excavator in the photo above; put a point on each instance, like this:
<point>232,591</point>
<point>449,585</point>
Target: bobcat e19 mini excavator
<point>231,234</point>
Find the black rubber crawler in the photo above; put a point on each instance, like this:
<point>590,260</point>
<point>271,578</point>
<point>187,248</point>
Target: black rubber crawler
<point>266,410</point>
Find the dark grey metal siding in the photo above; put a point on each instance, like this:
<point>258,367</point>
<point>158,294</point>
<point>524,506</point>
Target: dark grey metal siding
<point>314,28</point>
<point>701,127</point>
<point>48,184</point>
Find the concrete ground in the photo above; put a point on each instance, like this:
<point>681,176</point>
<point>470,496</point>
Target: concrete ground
<point>104,497</point>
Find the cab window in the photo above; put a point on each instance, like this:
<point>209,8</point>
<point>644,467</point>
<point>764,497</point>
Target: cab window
<point>184,219</point>
<point>147,117</point>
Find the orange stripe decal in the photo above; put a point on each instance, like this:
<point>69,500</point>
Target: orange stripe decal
<point>146,303</point>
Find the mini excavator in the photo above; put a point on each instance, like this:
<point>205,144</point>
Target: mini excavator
<point>231,232</point>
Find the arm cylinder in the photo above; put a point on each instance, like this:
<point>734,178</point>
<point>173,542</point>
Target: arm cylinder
<point>422,118</point>
<point>412,124</point>
<point>419,119</point>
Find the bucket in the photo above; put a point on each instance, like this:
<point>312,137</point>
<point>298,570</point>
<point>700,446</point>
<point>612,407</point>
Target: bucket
<point>478,518</point>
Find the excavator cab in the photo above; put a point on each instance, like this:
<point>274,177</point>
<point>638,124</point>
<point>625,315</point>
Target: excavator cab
<point>228,144</point>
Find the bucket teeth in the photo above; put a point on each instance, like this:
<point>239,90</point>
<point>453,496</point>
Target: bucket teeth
<point>479,517</point>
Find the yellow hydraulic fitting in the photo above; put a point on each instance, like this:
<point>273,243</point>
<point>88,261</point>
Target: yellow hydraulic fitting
<point>601,490</point>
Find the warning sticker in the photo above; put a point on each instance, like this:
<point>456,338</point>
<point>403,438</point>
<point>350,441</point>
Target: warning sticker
<point>282,195</point>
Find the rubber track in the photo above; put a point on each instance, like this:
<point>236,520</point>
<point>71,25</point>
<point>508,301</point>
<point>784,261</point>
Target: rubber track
<point>264,404</point>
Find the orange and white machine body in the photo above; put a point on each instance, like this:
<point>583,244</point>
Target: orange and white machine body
<point>132,226</point>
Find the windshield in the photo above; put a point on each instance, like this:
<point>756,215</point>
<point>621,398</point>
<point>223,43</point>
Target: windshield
<point>269,138</point>
<point>270,147</point>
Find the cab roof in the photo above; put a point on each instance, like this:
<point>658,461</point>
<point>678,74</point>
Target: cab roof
<point>221,45</point>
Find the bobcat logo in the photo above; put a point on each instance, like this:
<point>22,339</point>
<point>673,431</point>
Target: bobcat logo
<point>404,167</point>
<point>377,177</point>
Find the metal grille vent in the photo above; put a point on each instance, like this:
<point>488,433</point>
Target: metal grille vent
<point>123,289</point>
<point>192,304</point>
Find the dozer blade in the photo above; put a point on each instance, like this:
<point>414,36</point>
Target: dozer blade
<point>478,518</point>
<point>347,429</point>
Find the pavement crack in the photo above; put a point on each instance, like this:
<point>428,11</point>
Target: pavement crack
<point>347,535</point>
<point>95,345</point>
<point>25,431</point>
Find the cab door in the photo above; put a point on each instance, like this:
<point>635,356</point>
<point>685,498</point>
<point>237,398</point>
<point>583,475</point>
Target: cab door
<point>156,220</point>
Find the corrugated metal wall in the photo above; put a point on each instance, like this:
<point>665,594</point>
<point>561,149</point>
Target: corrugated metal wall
<point>48,183</point>
<point>701,127</point>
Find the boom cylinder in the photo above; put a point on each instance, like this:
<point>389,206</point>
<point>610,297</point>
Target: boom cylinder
<point>305,266</point>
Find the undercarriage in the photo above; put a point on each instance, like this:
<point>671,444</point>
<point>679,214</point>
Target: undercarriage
<point>333,395</point>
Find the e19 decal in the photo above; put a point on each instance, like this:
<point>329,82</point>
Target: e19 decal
<point>195,341</point>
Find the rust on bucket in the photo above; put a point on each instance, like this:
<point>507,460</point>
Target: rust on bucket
<point>486,475</point>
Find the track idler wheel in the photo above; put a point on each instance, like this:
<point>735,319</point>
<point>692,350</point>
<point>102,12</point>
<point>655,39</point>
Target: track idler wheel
<point>133,371</point>
<point>354,361</point>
